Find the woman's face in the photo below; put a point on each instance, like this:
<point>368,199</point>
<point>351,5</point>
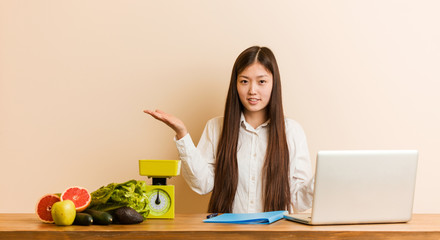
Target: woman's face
<point>254,86</point>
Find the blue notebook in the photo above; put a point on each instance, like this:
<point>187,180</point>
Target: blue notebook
<point>248,218</point>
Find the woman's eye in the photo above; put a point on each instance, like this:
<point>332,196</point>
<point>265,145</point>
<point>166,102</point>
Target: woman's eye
<point>243,81</point>
<point>262,81</point>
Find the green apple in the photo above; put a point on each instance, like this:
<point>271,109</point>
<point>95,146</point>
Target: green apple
<point>63,212</point>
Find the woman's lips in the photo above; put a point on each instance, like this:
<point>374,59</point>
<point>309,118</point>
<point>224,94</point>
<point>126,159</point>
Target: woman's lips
<point>253,101</point>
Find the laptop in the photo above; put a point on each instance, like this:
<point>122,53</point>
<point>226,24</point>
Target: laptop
<point>362,186</point>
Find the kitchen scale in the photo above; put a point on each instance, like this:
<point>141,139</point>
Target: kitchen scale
<point>160,195</point>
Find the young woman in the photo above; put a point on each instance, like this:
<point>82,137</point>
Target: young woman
<point>253,159</point>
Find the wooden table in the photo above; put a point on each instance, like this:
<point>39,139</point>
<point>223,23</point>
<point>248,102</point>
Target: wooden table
<point>190,226</point>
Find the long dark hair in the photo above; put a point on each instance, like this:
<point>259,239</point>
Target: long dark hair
<point>276,192</point>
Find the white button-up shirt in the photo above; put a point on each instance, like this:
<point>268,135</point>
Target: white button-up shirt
<point>198,164</point>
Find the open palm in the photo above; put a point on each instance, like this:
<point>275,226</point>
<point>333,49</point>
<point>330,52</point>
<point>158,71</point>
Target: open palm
<point>173,122</point>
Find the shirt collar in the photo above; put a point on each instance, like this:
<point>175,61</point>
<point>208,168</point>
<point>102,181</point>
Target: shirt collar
<point>248,127</point>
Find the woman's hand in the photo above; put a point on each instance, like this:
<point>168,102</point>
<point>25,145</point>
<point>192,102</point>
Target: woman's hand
<point>170,120</point>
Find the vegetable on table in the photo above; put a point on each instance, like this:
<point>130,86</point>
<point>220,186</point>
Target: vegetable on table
<point>100,217</point>
<point>128,194</point>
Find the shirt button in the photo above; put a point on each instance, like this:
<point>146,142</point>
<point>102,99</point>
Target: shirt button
<point>253,178</point>
<point>252,201</point>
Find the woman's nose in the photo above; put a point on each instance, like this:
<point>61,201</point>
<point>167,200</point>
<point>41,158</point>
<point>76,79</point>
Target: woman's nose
<point>252,88</point>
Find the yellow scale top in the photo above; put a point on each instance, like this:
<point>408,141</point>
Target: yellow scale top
<point>159,168</point>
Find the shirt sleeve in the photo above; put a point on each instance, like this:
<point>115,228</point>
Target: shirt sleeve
<point>198,162</point>
<point>301,178</point>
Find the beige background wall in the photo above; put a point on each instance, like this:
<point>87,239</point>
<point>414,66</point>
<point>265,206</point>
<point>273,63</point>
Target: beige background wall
<point>76,75</point>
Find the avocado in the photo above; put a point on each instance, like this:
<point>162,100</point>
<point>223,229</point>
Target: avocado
<point>127,215</point>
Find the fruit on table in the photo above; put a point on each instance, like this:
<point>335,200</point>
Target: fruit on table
<point>129,196</point>
<point>127,215</point>
<point>63,212</point>
<point>83,219</point>
<point>44,207</point>
<point>100,217</point>
<point>79,196</point>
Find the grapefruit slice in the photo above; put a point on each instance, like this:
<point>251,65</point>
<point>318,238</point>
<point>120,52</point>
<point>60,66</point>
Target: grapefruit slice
<point>44,207</point>
<point>79,196</point>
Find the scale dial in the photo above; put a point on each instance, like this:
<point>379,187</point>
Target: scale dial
<point>159,202</point>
